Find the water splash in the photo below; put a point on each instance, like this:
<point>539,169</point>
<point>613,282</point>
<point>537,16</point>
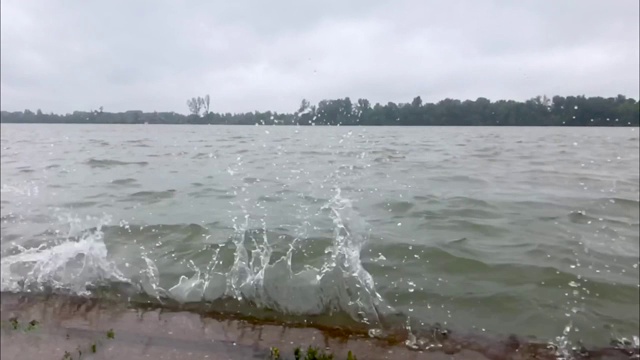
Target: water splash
<point>265,280</point>
<point>562,345</point>
<point>356,285</point>
<point>73,263</point>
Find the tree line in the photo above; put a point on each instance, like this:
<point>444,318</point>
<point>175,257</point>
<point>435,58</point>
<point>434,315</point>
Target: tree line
<point>538,111</point>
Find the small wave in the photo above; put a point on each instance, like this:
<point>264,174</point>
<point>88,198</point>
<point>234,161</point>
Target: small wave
<point>25,170</point>
<point>269,199</point>
<point>583,218</point>
<point>150,196</point>
<point>396,207</point>
<point>204,155</point>
<point>127,181</point>
<point>137,141</point>
<point>99,142</point>
<point>467,226</point>
<point>201,193</point>
<point>79,204</point>
<point>251,180</point>
<point>388,158</point>
<point>627,204</point>
<point>107,163</point>
<point>465,213</point>
<point>313,152</point>
<point>225,196</point>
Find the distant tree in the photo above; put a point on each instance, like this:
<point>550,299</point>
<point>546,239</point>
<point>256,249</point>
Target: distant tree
<point>195,105</point>
<point>206,104</point>
<point>198,104</point>
<point>305,113</point>
<point>304,106</point>
<point>538,111</point>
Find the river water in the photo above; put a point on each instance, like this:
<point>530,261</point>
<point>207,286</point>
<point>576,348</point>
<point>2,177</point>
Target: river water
<point>530,231</point>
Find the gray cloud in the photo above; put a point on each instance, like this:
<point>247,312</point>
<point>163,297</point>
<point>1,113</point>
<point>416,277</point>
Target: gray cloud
<point>62,56</point>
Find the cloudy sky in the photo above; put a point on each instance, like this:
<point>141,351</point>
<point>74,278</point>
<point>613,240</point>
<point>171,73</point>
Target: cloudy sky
<point>151,55</point>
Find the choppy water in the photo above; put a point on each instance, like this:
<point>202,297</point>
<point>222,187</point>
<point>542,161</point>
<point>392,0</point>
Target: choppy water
<point>532,231</point>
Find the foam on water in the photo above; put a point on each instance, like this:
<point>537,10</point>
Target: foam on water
<point>73,263</point>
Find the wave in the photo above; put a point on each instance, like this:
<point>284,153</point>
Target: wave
<point>67,265</point>
<point>283,273</point>
<point>250,268</point>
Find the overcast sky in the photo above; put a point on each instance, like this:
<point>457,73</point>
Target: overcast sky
<point>61,56</point>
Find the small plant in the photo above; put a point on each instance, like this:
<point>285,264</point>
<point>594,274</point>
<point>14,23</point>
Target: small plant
<point>312,353</point>
<point>67,355</point>
<point>94,348</point>
<point>33,324</point>
<point>14,323</point>
<point>111,334</point>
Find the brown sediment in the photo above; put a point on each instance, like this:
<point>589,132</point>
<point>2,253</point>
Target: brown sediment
<point>55,326</point>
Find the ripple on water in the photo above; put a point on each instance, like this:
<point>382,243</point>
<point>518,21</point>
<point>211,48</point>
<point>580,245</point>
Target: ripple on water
<point>79,204</point>
<point>109,163</point>
<point>124,182</point>
<point>150,196</point>
<point>396,207</point>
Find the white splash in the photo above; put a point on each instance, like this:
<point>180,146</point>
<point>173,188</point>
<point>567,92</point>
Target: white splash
<point>73,263</point>
<point>340,284</point>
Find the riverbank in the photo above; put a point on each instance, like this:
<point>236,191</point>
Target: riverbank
<point>64,327</point>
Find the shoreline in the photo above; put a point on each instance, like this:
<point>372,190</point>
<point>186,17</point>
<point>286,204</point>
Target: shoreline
<point>633,126</point>
<point>55,326</point>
